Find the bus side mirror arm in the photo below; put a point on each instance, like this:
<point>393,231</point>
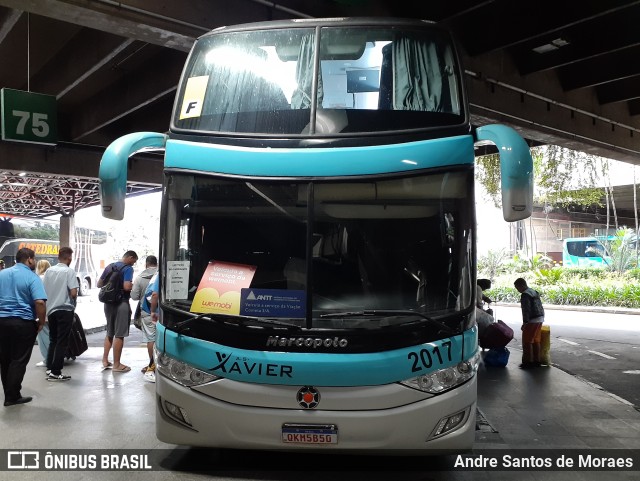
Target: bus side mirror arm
<point>113,169</point>
<point>516,170</point>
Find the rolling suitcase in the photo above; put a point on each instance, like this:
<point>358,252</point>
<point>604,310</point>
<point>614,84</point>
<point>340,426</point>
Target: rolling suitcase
<point>545,345</point>
<point>77,339</point>
<point>496,335</point>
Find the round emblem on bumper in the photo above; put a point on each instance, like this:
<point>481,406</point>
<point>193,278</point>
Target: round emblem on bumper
<point>308,397</point>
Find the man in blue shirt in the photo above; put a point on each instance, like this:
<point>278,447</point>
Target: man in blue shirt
<point>22,301</point>
<point>119,314</point>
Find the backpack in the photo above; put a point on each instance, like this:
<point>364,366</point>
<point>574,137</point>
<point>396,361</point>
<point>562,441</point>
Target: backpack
<point>111,291</point>
<point>137,317</point>
<point>535,304</point>
<point>145,302</point>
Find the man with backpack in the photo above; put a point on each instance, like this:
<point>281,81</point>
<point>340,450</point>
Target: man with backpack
<point>115,285</point>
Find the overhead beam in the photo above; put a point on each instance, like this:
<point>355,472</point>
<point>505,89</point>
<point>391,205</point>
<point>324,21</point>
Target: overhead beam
<point>537,106</point>
<point>8,19</point>
<point>584,42</point>
<point>75,161</point>
<point>520,21</point>
<point>166,23</point>
<point>156,80</point>
<point>88,52</point>
<point>634,107</point>
<point>588,73</point>
<point>108,17</point>
<point>619,91</point>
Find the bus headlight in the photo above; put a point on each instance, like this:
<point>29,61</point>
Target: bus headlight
<point>443,380</point>
<point>181,372</point>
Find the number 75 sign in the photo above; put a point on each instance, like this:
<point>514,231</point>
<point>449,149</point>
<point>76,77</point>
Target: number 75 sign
<point>29,117</point>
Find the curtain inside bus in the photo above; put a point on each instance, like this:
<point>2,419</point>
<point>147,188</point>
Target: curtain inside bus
<point>417,76</point>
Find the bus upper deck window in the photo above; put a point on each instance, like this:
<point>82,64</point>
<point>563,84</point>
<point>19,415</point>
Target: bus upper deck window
<point>355,80</point>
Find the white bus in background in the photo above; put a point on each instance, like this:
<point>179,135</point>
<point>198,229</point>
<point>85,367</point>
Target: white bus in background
<point>18,233</point>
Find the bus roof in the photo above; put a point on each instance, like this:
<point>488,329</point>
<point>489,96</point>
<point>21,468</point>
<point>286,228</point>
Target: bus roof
<point>326,22</point>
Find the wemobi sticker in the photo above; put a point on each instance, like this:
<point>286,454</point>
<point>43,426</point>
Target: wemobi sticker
<point>220,287</point>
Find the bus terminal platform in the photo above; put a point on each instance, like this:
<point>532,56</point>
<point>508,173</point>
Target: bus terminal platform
<point>535,409</point>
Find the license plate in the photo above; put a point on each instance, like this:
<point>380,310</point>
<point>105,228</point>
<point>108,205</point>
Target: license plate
<point>310,433</point>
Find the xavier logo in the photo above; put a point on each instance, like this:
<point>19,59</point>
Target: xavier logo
<point>245,367</point>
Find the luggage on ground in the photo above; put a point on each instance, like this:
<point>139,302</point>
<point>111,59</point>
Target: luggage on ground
<point>77,339</point>
<point>496,335</point>
<point>498,357</point>
<point>545,345</point>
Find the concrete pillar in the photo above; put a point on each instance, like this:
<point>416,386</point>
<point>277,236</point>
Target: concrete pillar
<point>67,231</point>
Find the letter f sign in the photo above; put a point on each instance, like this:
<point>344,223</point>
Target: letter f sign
<point>191,105</point>
<point>191,108</point>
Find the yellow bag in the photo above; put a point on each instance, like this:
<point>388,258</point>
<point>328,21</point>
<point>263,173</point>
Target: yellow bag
<point>545,345</point>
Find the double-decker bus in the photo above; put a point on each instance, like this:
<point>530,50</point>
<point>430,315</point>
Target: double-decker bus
<point>318,261</point>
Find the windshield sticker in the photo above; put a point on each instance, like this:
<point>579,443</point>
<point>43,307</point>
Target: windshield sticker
<point>273,303</point>
<point>177,280</point>
<point>219,289</point>
<point>194,97</point>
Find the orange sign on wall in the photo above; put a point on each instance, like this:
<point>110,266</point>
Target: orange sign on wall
<point>220,286</point>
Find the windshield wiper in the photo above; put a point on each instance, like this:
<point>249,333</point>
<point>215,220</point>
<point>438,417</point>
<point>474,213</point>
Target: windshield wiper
<point>218,317</point>
<point>265,321</point>
<point>374,312</point>
<point>221,318</point>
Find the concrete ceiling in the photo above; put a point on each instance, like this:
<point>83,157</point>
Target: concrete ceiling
<point>562,72</point>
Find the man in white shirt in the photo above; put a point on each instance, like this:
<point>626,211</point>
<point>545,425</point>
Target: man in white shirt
<point>61,286</point>
<point>147,326</point>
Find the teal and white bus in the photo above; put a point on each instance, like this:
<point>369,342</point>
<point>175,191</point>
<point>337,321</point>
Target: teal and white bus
<point>318,260</point>
<point>586,252</point>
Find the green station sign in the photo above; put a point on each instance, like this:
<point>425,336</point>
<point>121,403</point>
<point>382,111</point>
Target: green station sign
<point>28,117</point>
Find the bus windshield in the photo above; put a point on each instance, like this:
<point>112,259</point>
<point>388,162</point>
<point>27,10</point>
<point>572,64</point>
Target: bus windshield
<point>367,79</point>
<point>365,254</point>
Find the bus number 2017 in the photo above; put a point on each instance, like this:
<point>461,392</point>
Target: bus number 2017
<point>426,357</point>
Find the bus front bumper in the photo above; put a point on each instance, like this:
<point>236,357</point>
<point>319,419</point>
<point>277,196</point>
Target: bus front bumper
<point>187,417</point>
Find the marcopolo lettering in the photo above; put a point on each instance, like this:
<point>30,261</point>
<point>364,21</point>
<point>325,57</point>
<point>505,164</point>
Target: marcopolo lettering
<point>314,342</point>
